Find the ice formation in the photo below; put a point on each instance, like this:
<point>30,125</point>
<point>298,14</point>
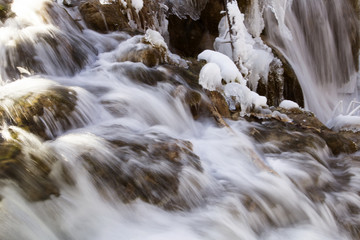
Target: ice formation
<point>251,55</point>
<point>228,69</point>
<point>237,94</point>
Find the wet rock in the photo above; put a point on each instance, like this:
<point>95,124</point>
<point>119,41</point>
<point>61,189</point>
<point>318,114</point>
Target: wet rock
<point>303,133</point>
<point>147,55</point>
<point>5,9</point>
<point>44,113</point>
<point>142,74</point>
<point>103,17</point>
<point>273,88</point>
<point>218,101</point>
<point>66,55</point>
<point>145,168</point>
<point>283,82</point>
<point>189,75</point>
<point>186,36</point>
<point>30,172</point>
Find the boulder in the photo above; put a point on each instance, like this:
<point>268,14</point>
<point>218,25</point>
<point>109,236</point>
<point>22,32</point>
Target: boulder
<point>103,17</point>
<point>45,113</point>
<point>29,171</point>
<point>146,168</point>
<point>296,130</point>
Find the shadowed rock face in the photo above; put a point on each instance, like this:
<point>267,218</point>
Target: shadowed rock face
<point>189,37</point>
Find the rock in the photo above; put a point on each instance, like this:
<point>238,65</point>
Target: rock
<point>103,17</point>
<point>303,133</point>
<point>147,55</point>
<point>41,113</point>
<point>218,101</point>
<point>5,9</point>
<point>142,74</point>
<point>189,37</point>
<point>273,88</point>
<point>30,172</point>
<point>146,168</point>
<point>66,55</point>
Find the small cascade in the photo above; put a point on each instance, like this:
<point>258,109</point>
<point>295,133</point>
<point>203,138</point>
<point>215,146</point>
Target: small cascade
<point>110,135</point>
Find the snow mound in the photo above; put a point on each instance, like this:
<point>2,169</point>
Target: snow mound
<point>155,39</point>
<point>137,5</point>
<point>210,77</point>
<point>287,104</point>
<point>238,95</point>
<point>229,71</point>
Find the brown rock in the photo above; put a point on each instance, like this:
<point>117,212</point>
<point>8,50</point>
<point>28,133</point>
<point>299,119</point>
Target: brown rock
<point>218,101</point>
<point>28,171</point>
<point>304,132</point>
<point>145,168</point>
<point>103,17</point>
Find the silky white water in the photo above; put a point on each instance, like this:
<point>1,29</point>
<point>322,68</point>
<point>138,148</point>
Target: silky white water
<point>317,38</point>
<point>226,197</point>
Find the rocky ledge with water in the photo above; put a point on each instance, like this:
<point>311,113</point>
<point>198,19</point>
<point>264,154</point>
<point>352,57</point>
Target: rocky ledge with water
<point>140,119</point>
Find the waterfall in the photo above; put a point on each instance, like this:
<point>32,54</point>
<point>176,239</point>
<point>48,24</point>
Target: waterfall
<point>320,39</point>
<point>110,136</point>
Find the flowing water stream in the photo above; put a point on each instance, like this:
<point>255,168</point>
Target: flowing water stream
<point>117,154</point>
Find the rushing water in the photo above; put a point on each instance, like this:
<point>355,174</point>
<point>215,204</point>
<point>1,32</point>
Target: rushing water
<point>114,125</point>
<point>318,39</point>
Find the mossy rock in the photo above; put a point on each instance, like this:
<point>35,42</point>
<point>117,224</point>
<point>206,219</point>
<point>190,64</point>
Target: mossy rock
<point>38,112</point>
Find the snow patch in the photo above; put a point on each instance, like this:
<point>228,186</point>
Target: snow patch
<point>155,39</point>
<point>238,95</point>
<point>287,104</point>
<point>137,4</point>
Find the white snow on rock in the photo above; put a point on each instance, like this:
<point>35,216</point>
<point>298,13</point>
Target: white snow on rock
<point>237,94</point>
<point>251,55</point>
<point>210,77</point>
<point>155,39</point>
<point>137,4</point>
<point>228,69</point>
<point>287,104</point>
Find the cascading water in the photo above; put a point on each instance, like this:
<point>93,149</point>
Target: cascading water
<point>320,40</point>
<point>96,144</point>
